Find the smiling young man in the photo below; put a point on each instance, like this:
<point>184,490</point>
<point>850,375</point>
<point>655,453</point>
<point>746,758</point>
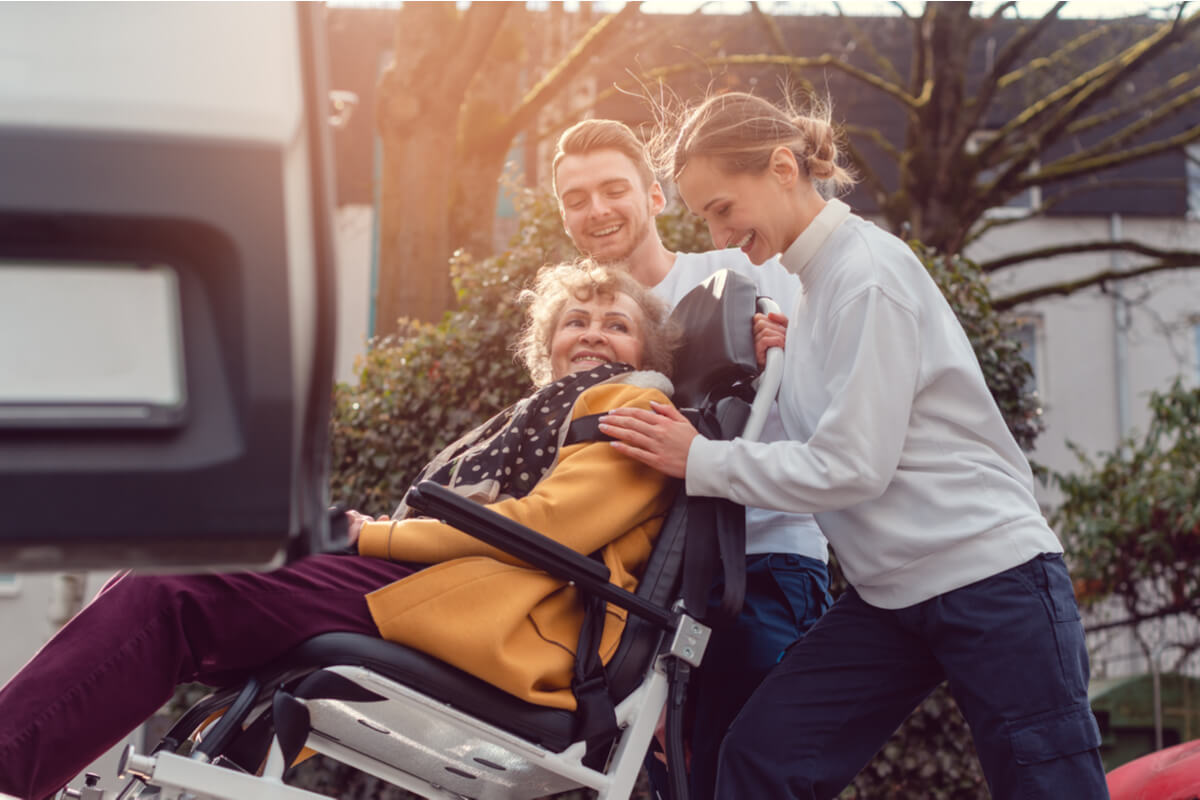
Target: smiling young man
<point>608,198</point>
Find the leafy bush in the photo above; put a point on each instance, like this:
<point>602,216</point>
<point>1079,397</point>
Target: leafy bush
<point>1132,518</point>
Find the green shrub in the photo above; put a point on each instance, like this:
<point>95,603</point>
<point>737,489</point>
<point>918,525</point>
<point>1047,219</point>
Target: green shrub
<point>1131,518</point>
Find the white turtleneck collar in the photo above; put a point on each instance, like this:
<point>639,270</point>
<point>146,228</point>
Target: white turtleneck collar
<point>801,251</point>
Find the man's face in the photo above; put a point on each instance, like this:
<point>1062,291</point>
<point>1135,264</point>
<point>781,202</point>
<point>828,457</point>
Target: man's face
<point>606,209</point>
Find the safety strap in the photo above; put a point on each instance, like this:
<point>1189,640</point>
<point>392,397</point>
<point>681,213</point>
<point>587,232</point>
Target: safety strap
<point>595,714</point>
<point>716,530</point>
<point>586,429</point>
<point>716,541</point>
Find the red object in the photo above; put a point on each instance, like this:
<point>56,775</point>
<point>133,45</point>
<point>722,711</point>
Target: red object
<point>1171,774</point>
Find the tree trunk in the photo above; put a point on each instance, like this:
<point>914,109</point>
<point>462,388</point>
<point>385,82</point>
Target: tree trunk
<point>436,54</point>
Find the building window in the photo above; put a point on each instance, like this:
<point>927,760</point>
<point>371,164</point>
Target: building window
<point>10,584</point>
<point>1028,332</point>
<point>1192,162</point>
<point>1019,205</point>
<point>1196,342</point>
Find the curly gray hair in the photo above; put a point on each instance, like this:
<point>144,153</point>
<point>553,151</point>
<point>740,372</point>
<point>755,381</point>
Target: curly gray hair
<point>584,279</point>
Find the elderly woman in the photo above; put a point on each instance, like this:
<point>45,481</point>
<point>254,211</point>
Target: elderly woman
<point>594,340</point>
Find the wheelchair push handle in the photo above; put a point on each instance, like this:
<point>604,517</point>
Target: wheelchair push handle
<point>767,383</point>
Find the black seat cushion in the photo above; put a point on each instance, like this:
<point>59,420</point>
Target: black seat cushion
<point>549,727</point>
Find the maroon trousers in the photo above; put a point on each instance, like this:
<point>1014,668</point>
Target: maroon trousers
<point>119,660</point>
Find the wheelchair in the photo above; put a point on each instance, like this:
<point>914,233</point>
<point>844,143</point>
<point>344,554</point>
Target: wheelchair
<point>406,718</point>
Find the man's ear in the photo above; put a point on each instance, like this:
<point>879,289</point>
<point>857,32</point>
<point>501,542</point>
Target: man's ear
<point>783,166</point>
<point>658,199</point>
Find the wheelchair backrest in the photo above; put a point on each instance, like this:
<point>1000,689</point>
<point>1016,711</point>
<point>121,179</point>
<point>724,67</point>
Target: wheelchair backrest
<point>713,366</point>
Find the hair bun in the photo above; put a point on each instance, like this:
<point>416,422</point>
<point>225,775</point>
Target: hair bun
<point>820,152</point>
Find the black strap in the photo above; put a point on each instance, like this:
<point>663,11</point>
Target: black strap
<point>586,429</point>
<point>716,529</point>
<point>716,540</point>
<point>595,714</point>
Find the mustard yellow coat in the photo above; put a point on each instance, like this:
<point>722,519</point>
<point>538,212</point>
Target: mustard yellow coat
<point>482,610</point>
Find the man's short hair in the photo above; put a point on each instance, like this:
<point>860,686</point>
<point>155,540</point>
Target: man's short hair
<point>591,135</point>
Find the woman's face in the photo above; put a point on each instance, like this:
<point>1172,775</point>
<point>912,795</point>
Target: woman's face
<point>594,332</point>
<point>751,212</point>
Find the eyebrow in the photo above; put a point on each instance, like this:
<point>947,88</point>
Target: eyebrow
<point>612,313</point>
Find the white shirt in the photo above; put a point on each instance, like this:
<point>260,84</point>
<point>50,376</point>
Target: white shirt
<point>767,530</point>
<point>895,443</point>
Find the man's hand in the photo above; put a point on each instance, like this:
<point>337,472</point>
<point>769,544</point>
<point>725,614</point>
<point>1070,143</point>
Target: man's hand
<point>659,438</point>
<point>770,330</point>
<point>357,520</point>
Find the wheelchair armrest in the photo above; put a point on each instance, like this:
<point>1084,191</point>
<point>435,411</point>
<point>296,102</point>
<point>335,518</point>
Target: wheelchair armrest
<point>531,547</point>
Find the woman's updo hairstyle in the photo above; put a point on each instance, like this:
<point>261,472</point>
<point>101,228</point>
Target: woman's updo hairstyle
<point>740,131</point>
<point>583,279</point>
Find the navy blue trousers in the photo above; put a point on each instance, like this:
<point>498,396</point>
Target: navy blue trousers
<point>1010,646</point>
<point>785,595</point>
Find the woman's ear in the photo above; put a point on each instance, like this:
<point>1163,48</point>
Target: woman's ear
<point>783,166</point>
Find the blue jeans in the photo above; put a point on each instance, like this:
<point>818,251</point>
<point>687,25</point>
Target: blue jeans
<point>785,595</point>
<point>1011,647</point>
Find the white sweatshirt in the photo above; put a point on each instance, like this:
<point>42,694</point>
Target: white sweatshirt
<point>896,443</point>
<point>767,531</point>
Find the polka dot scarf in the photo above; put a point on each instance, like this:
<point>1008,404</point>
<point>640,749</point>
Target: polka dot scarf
<point>509,454</point>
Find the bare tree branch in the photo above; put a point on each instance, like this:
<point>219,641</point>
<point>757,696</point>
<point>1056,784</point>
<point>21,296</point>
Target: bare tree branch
<point>1058,197</point>
<point>862,167</point>
<point>877,138</point>
<point>1070,287</point>
<point>566,69</point>
<point>1119,139</point>
<point>757,60</point>
<point>1171,258</point>
<point>779,44</point>
<point>862,40</point>
<point>476,31</point>
<point>1000,9</point>
<point>1014,174</point>
<point>1012,51</point>
<point>1066,103</point>
<point>1060,54</point>
<point>1148,99</point>
<point>1058,171</point>
<point>1179,608</point>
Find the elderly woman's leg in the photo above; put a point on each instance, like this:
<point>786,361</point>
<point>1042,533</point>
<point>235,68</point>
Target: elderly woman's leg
<point>119,659</point>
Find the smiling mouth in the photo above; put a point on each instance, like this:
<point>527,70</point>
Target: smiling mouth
<point>745,243</point>
<point>609,231</point>
<point>590,357</point>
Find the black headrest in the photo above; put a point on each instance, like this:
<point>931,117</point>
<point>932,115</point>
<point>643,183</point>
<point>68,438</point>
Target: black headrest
<point>718,337</point>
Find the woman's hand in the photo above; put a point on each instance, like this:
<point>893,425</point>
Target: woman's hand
<point>770,330</point>
<point>357,520</point>
<point>659,438</point>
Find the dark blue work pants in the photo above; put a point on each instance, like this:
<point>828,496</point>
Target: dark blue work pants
<point>785,595</point>
<point>1011,647</point>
